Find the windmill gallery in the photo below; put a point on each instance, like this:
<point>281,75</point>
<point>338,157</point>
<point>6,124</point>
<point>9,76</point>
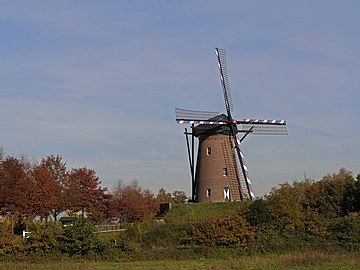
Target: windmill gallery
<point>220,173</point>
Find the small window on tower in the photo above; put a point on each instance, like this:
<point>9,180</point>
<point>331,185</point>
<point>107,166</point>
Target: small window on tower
<point>208,151</point>
<point>208,192</point>
<point>225,172</point>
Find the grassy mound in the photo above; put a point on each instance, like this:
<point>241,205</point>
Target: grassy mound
<point>198,212</point>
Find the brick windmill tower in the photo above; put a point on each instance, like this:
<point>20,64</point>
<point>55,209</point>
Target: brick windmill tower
<point>220,173</point>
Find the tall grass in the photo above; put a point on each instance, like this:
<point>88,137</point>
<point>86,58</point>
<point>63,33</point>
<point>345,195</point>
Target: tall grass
<point>298,261</point>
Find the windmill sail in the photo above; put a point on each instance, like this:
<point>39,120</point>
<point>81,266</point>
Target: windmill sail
<point>263,127</point>
<point>246,176</point>
<point>243,170</point>
<point>221,56</point>
<point>192,115</point>
<point>243,178</point>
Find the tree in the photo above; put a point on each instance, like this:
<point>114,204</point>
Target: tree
<point>44,197</point>
<point>284,205</point>
<point>57,168</point>
<point>334,195</point>
<point>176,197</point>
<point>15,191</point>
<point>164,196</point>
<point>179,196</point>
<point>13,186</point>
<point>132,202</point>
<point>83,192</point>
<point>357,193</point>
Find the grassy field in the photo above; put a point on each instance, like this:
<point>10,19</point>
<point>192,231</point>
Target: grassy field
<point>312,261</point>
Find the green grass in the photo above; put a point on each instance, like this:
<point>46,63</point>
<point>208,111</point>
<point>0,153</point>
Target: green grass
<point>298,261</point>
<point>185,213</point>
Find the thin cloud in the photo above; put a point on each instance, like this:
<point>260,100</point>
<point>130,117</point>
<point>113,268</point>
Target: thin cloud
<point>98,83</point>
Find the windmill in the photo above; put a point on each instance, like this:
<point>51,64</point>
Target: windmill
<point>221,172</point>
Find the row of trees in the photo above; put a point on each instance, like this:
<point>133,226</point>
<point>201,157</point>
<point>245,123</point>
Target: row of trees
<point>308,205</point>
<point>45,189</point>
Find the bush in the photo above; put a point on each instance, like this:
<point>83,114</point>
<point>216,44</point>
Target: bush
<point>80,239</point>
<point>9,243</point>
<point>231,230</point>
<point>346,231</point>
<point>130,240</point>
<point>165,236</point>
<point>267,239</point>
<point>43,237</point>
<point>258,213</point>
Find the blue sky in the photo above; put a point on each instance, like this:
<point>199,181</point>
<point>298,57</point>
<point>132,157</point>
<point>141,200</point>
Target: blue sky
<point>97,83</point>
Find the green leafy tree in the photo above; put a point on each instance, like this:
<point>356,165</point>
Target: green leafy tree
<point>315,223</point>
<point>285,205</point>
<point>357,193</point>
<point>164,197</point>
<point>333,196</point>
<point>176,197</point>
<point>179,196</point>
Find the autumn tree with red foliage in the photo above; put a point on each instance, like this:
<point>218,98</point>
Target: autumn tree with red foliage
<point>14,186</point>
<point>83,193</point>
<point>47,188</point>
<point>57,169</point>
<point>132,203</point>
<point>30,189</point>
<point>44,197</point>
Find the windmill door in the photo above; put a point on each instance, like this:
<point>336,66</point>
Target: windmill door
<point>226,194</point>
